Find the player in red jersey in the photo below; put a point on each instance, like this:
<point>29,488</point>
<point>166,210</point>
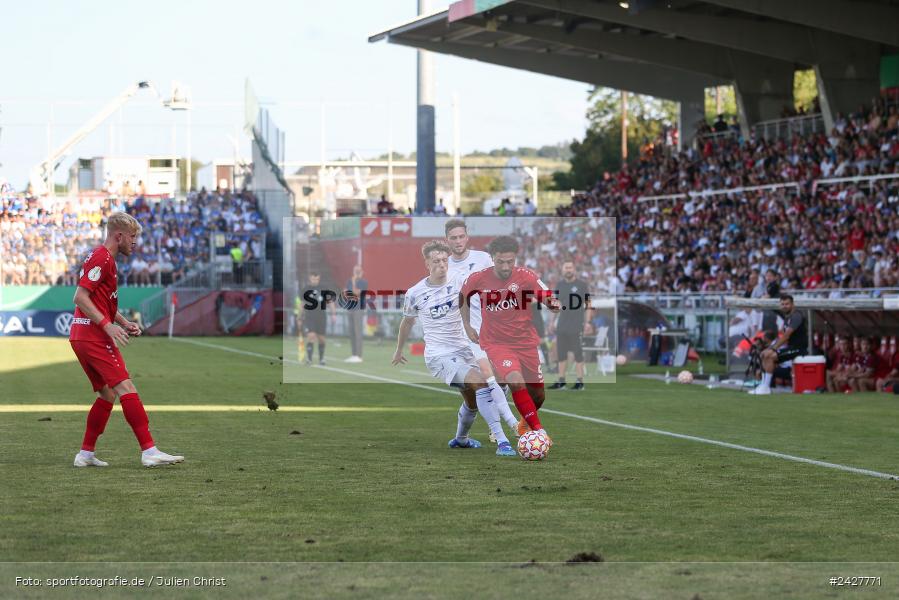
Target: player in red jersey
<point>98,330</point>
<point>507,332</point>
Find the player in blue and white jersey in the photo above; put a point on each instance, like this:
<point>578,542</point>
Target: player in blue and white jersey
<point>435,302</point>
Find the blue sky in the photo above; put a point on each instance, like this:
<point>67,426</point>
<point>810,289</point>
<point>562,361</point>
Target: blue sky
<point>80,54</point>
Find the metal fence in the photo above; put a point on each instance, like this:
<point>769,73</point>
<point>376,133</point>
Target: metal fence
<point>706,316</point>
<point>784,128</point>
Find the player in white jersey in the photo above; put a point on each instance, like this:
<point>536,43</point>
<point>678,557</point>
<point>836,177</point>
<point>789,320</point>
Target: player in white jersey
<point>435,301</point>
<point>463,262</point>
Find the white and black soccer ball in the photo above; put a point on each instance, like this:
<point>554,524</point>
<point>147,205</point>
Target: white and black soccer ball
<point>621,360</point>
<point>685,377</point>
<point>533,445</point>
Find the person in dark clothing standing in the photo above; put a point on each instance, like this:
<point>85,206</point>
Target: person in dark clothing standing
<point>569,324</point>
<point>311,318</point>
<point>355,300</point>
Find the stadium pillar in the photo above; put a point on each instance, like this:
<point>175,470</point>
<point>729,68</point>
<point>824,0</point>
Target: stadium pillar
<point>689,113</point>
<point>426,167</point>
<point>847,75</point>
<point>763,88</point>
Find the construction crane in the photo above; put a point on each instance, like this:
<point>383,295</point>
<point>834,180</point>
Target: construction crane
<point>42,174</point>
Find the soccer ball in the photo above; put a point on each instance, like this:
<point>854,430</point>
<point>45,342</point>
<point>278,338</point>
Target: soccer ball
<point>533,445</point>
<point>621,360</point>
<point>685,377</point>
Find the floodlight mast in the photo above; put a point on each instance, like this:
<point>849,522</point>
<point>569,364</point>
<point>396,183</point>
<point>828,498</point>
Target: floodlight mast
<point>42,174</point>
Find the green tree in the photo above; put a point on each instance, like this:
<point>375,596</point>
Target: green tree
<point>724,94</point>
<point>481,183</point>
<point>600,150</point>
<point>805,89</point>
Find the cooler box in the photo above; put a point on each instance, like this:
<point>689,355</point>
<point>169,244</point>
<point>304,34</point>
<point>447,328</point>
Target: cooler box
<point>808,373</point>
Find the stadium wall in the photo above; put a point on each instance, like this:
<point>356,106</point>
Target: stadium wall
<point>223,313</point>
<point>390,247</point>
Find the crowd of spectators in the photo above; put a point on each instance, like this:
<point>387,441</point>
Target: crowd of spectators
<point>813,234</point>
<point>43,241</point>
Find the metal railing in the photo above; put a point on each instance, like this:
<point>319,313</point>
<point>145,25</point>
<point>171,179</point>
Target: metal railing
<point>719,135</point>
<point>706,314</point>
<point>792,186</point>
<point>717,300</point>
<point>869,179</point>
<point>721,192</point>
<point>781,128</point>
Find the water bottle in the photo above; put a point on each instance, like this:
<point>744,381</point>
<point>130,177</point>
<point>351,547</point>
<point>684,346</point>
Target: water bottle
<point>667,377</point>
<point>700,367</point>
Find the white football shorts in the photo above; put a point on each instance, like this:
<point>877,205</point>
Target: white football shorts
<point>452,368</point>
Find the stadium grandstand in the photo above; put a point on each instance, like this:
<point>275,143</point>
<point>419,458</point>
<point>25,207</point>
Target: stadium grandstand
<point>819,210</point>
<point>46,239</point>
<point>810,197</point>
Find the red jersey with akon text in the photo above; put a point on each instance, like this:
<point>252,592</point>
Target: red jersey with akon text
<point>99,276</point>
<point>506,306</point>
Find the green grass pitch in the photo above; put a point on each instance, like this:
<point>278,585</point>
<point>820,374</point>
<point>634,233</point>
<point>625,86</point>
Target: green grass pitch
<point>350,490</point>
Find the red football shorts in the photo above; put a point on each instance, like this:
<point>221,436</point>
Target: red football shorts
<point>506,359</point>
<point>103,363</point>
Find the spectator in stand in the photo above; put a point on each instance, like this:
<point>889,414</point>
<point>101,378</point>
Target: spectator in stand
<point>385,206</point>
<point>808,234</point>
<point>44,241</point>
<point>720,125</point>
<point>528,209</point>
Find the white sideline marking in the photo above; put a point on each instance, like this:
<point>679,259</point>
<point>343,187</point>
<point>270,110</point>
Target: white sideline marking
<point>430,388</point>
<point>79,408</point>
<point>692,438</point>
<point>681,436</point>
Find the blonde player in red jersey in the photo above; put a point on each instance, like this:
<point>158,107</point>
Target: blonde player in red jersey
<point>507,332</point>
<point>98,330</point>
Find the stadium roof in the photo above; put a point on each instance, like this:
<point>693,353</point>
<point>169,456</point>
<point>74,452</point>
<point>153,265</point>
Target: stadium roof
<point>676,48</point>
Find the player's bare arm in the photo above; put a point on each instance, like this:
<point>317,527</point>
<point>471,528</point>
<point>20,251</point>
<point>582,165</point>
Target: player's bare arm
<point>116,332</point>
<point>402,336</point>
<point>130,327</point>
<point>465,311</point>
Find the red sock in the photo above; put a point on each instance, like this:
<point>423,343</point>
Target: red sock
<point>96,423</point>
<point>137,418</point>
<point>525,406</point>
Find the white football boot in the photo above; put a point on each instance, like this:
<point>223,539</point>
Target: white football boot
<point>93,461</point>
<point>158,458</point>
<point>761,390</point>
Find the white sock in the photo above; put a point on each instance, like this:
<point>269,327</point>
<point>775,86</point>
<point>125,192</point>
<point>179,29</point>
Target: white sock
<point>150,450</point>
<point>501,403</point>
<point>88,454</point>
<point>487,408</point>
<point>466,418</point>
<point>766,379</point>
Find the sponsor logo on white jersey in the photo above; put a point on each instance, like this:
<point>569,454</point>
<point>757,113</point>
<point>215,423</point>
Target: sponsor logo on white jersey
<point>441,309</point>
